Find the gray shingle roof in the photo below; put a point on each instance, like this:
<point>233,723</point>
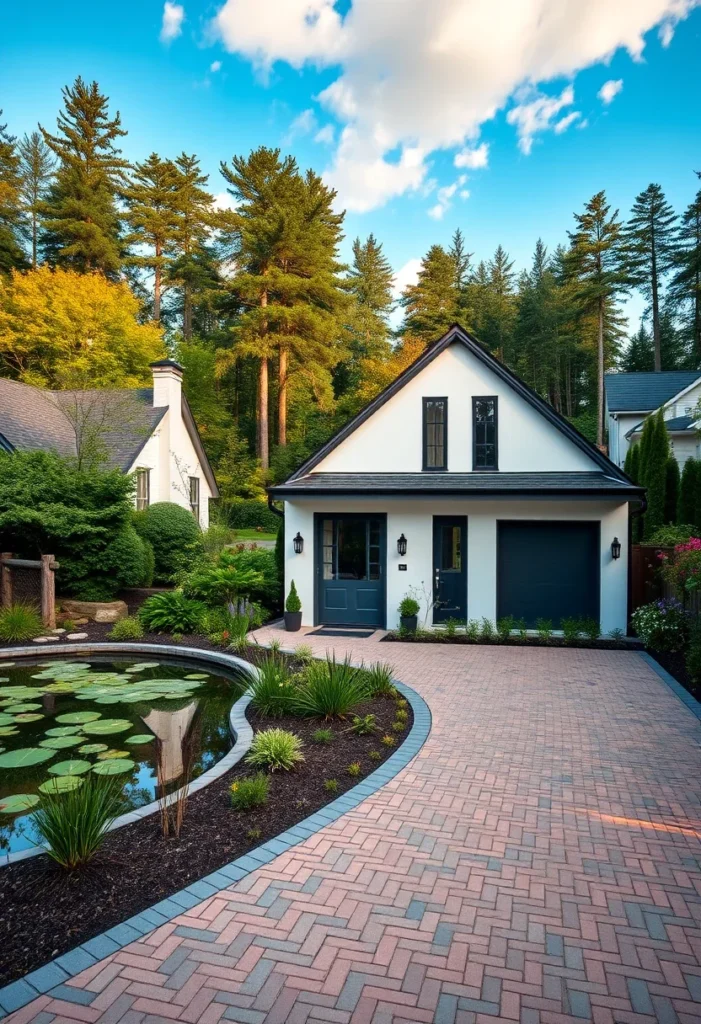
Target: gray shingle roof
<point>468,484</point>
<point>676,424</point>
<point>643,392</point>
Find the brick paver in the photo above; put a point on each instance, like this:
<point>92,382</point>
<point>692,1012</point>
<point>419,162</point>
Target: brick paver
<point>539,861</point>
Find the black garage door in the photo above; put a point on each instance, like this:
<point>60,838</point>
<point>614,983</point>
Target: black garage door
<point>548,570</point>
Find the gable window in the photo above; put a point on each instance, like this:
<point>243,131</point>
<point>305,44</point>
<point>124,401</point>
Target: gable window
<point>484,433</point>
<point>195,497</point>
<point>143,489</point>
<point>435,434</point>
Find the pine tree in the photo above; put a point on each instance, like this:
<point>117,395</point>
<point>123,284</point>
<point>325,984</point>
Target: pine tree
<point>498,319</point>
<point>686,283</point>
<point>150,197</point>
<point>37,167</point>
<point>639,355</point>
<point>191,270</point>
<point>655,472</point>
<point>595,259</point>
<point>11,254</point>
<point>369,283</point>
<point>80,216</point>
<point>650,243</point>
<point>432,304</point>
<point>688,493</point>
<point>672,483</point>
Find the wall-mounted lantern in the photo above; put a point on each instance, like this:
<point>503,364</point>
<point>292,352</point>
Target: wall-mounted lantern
<point>615,548</point>
<point>401,545</point>
<point>298,543</point>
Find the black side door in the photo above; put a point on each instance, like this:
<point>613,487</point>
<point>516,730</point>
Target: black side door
<point>449,567</point>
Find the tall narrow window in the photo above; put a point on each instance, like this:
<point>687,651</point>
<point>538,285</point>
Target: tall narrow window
<point>435,434</point>
<point>143,489</point>
<point>195,497</point>
<point>485,453</point>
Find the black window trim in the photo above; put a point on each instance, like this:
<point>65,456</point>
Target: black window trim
<point>495,467</point>
<point>424,402</point>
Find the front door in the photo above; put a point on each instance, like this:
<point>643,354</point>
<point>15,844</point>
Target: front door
<point>449,567</point>
<point>350,570</point>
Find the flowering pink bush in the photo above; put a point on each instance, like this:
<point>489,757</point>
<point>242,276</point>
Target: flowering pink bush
<point>682,570</point>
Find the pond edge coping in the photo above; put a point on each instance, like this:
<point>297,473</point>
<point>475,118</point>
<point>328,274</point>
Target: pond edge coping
<point>241,731</point>
<point>55,973</point>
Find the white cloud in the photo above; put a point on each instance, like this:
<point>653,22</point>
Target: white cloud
<point>445,195</point>
<point>406,275</point>
<point>609,90</point>
<point>424,75</point>
<point>224,201</point>
<point>303,124</point>
<point>537,113</point>
<point>172,25</point>
<point>563,124</point>
<point>326,135</point>
<point>473,157</point>
<point>215,66</point>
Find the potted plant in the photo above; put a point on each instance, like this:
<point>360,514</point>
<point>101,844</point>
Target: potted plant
<point>408,614</point>
<point>293,610</point>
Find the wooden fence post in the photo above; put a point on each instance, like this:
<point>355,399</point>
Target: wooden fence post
<point>48,591</point>
<point>5,581</point>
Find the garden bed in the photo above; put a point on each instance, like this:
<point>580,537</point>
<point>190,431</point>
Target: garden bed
<point>582,643</point>
<point>46,911</point>
<point>675,664</point>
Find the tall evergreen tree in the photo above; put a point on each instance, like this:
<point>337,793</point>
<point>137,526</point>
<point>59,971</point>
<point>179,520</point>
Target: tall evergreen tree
<point>80,215</point>
<point>498,319</point>
<point>595,259</point>
<point>432,304</point>
<point>632,468</point>
<point>150,196</point>
<point>638,356</point>
<point>37,167</point>
<point>11,254</point>
<point>650,241</point>
<point>686,283</point>
<point>689,487</point>
<point>654,472</point>
<point>369,284</point>
<point>191,270</point>
<point>671,497</point>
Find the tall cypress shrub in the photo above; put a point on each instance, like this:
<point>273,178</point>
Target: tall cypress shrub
<point>688,487</point>
<point>655,473</point>
<point>632,468</point>
<point>671,498</point>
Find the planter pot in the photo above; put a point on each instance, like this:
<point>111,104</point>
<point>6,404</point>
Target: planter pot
<point>293,621</point>
<point>408,623</point>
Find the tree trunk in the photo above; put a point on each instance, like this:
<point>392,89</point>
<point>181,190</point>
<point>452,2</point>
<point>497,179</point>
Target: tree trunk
<point>34,241</point>
<point>157,285</point>
<point>655,302</point>
<point>263,424</point>
<point>187,313</point>
<point>600,379</point>
<point>282,398</point>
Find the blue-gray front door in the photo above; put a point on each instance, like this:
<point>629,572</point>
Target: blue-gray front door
<point>350,554</point>
<point>449,568</point>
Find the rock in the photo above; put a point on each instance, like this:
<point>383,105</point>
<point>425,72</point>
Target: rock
<point>76,636</point>
<point>98,611</point>
<point>42,639</point>
<point>58,631</point>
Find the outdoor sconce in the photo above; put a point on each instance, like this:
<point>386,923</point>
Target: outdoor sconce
<point>298,543</point>
<point>401,545</point>
<point>615,548</point>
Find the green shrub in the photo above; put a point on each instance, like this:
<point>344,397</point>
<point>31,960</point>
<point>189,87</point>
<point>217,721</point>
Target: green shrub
<point>473,630</point>
<point>388,741</point>
<point>222,584</point>
<point>354,769</point>
<point>19,622</point>
<point>398,725</point>
<point>364,726</point>
<point>323,736</point>
<point>215,539</point>
<point>244,572</point>
<point>487,630</point>
<point>249,792</point>
<point>505,626</point>
<point>171,612</point>
<point>545,628</point>
<point>662,625</point>
<point>272,691</point>
<point>127,561</point>
<point>669,536</point>
<point>293,602</point>
<point>74,823</point>
<point>331,785</point>
<point>129,628</point>
<point>330,689</point>
<point>174,535</point>
<point>254,834</point>
<point>408,607</point>
<point>280,550</point>
<point>693,657</point>
<point>571,630</point>
<point>304,653</point>
<point>248,514</point>
<point>221,627</point>
<point>379,680</point>
<point>274,749</point>
<point>402,715</point>
<point>374,755</point>
<point>590,628</point>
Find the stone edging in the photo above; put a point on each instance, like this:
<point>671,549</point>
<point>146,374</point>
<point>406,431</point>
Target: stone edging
<point>241,731</point>
<point>57,972</point>
<point>681,692</point>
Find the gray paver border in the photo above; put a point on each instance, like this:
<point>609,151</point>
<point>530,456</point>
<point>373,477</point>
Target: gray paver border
<point>683,694</point>
<point>58,971</point>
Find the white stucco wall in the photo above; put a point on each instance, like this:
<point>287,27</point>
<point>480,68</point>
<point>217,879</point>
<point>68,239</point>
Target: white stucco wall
<point>618,427</point>
<point>414,518</point>
<point>390,441</point>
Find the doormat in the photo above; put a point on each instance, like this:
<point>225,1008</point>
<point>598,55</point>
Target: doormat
<point>356,634</point>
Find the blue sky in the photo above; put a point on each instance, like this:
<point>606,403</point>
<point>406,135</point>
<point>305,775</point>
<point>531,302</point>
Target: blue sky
<point>278,57</point>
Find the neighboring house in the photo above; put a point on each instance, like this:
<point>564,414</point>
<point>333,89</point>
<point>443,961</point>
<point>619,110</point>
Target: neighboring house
<point>632,397</point>
<point>146,431</point>
<point>499,505</point>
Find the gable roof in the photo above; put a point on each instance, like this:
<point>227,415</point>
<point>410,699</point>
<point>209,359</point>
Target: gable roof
<point>643,391</point>
<point>677,425</point>
<point>458,335</point>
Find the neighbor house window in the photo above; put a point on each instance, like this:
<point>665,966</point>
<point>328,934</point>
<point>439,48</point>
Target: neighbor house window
<point>484,433</point>
<point>435,433</point>
<point>195,497</point>
<point>143,489</point>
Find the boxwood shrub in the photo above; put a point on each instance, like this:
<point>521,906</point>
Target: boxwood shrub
<point>174,535</point>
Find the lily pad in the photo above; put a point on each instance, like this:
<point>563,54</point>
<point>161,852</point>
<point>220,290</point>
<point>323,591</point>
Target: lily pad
<point>198,675</point>
<point>140,666</point>
<point>108,700</point>
<point>141,738</point>
<point>8,730</point>
<point>6,719</point>
<point>110,755</point>
<point>29,716</point>
<point>60,784</point>
<point>78,717</point>
<point>18,709</point>
<point>18,803</point>
<point>61,742</point>
<point>115,767</point>
<point>24,757</point>
<point>70,768</point>
<point>107,726</point>
<point>63,730</point>
<point>92,748</point>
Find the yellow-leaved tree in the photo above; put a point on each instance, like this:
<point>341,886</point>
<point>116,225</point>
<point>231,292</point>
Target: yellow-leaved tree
<point>60,329</point>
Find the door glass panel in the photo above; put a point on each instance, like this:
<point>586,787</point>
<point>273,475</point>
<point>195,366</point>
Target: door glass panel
<point>352,553</point>
<point>451,554</point>
<point>374,550</point>
<point>328,546</point>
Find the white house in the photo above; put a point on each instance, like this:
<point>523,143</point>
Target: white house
<point>146,431</point>
<point>632,397</point>
<point>460,485</point>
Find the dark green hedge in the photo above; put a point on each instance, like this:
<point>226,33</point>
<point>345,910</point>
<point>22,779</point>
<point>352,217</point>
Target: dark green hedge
<point>248,514</point>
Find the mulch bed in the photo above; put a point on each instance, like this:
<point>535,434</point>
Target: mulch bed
<point>675,664</point>
<point>430,637</point>
<point>45,911</point>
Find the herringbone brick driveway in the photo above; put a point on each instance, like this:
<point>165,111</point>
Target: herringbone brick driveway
<point>539,861</point>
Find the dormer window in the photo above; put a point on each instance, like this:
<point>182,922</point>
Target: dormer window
<point>484,433</point>
<point>435,434</point>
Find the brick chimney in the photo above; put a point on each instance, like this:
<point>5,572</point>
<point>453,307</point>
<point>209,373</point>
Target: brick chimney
<point>167,383</point>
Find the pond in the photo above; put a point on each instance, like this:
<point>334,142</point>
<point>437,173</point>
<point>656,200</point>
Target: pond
<point>151,724</point>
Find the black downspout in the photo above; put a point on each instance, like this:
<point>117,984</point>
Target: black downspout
<point>272,508</point>
<point>633,514</point>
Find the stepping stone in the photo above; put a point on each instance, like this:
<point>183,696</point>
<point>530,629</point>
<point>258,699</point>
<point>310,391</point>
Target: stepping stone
<point>42,639</point>
<point>76,636</point>
<point>58,631</point>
